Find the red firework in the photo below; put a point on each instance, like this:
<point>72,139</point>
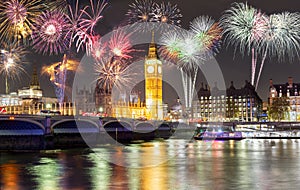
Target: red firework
<point>50,33</point>
<point>120,44</point>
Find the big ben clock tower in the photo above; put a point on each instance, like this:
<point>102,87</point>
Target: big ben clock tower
<point>153,83</point>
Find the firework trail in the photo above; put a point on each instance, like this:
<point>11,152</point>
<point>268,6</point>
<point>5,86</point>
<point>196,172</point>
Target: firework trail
<point>17,18</point>
<point>85,41</point>
<point>50,34</point>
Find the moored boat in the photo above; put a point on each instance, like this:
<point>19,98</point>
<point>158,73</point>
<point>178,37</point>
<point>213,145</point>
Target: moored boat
<point>217,133</point>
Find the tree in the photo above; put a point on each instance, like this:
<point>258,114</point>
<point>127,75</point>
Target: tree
<point>279,108</point>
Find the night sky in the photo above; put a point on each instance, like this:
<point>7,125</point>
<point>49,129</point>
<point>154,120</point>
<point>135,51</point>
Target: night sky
<point>234,67</point>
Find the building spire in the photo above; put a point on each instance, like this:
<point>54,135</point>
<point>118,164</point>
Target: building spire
<point>152,41</point>
<point>34,79</point>
<point>152,53</point>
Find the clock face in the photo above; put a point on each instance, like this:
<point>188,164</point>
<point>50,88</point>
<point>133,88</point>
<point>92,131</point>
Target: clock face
<point>159,69</point>
<point>150,69</point>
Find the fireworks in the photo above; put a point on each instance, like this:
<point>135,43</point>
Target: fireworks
<point>112,73</point>
<point>242,25</point>
<point>58,5</point>
<point>90,20</point>
<point>282,37</point>
<point>99,49</point>
<point>58,75</point>
<point>84,23</point>
<point>191,52</point>
<point>17,18</point>
<point>277,35</point>
<point>141,11</point>
<point>171,45</point>
<point>166,13</point>
<point>120,45</point>
<point>208,33</point>
<point>12,62</point>
<point>51,33</point>
<point>117,46</point>
<point>183,48</point>
<point>74,18</point>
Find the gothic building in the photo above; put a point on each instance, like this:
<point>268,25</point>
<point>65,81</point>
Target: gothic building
<point>289,90</point>
<point>152,108</point>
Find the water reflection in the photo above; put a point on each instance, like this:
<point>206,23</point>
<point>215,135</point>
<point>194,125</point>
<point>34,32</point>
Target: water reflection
<point>10,176</point>
<point>173,164</point>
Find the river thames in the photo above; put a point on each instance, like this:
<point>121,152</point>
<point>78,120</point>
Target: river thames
<point>171,164</point>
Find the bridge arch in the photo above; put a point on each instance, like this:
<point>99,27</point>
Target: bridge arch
<point>20,126</point>
<point>120,125</point>
<point>74,126</point>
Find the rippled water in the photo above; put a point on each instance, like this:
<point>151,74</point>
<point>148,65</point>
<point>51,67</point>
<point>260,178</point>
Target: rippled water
<point>172,164</point>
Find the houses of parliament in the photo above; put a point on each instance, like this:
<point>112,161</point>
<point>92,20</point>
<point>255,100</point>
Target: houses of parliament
<point>152,108</point>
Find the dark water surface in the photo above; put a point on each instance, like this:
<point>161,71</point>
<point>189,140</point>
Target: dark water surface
<point>172,164</point>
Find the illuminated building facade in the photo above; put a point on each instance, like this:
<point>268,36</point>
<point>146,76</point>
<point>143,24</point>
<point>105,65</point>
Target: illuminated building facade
<point>242,104</point>
<point>153,84</point>
<point>33,92</point>
<point>132,107</point>
<point>30,100</point>
<point>291,91</point>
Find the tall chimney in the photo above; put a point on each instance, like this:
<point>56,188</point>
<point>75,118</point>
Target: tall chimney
<point>290,81</point>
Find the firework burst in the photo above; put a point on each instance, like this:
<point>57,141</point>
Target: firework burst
<point>244,26</point>
<point>208,33</point>
<point>51,33</point>
<point>171,46</point>
<point>12,62</point>
<point>282,37</point>
<point>112,73</point>
<point>120,44</point>
<point>166,13</point>
<point>191,53</point>
<point>141,11</point>
<point>17,18</point>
